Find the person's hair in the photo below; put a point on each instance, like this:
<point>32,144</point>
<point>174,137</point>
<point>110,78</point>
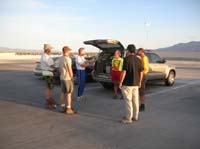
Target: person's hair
<point>80,49</point>
<point>131,48</point>
<point>47,51</point>
<point>65,49</point>
<point>118,52</point>
<point>141,49</point>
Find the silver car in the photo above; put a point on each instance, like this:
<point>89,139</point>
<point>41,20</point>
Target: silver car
<point>159,70</point>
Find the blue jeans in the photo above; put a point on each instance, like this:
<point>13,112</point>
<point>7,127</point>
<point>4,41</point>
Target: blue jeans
<point>81,81</point>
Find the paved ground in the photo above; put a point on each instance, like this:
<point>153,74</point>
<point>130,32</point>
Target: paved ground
<point>171,120</point>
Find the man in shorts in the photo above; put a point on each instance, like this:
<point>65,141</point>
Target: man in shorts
<point>66,78</point>
<point>145,64</point>
<point>117,63</point>
<point>47,66</point>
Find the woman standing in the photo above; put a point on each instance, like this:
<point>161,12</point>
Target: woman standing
<point>117,63</point>
<point>81,64</point>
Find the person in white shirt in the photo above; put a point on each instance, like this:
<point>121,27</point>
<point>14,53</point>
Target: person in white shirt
<point>81,64</point>
<point>47,66</point>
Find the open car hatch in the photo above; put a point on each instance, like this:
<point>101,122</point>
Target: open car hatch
<point>106,44</point>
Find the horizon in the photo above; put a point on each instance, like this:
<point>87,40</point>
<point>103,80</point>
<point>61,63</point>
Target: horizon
<point>28,24</point>
<point>91,51</point>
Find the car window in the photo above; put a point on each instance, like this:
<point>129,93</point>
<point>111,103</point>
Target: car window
<point>153,58</point>
<point>105,56</point>
<point>149,56</point>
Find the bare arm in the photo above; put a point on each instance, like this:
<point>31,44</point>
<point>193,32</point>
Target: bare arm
<point>69,68</point>
<point>123,74</point>
<point>52,66</point>
<point>141,77</point>
<point>84,65</point>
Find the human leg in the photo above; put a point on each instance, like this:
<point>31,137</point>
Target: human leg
<point>126,91</point>
<point>135,99</point>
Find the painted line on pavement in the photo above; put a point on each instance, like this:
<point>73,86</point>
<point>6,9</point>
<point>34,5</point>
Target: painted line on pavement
<point>171,89</point>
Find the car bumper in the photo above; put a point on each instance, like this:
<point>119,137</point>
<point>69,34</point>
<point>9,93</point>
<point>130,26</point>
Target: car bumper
<point>37,72</point>
<point>102,78</point>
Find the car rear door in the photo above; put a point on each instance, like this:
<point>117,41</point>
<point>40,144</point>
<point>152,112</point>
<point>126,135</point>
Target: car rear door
<point>106,44</point>
<point>156,67</point>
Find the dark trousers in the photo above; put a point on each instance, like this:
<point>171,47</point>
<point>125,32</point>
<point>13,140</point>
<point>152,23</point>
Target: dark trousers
<point>81,81</point>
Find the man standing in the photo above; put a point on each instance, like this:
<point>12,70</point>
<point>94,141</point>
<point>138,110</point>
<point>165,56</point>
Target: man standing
<point>145,64</point>
<point>131,78</point>
<point>117,63</point>
<point>47,65</point>
<point>66,78</point>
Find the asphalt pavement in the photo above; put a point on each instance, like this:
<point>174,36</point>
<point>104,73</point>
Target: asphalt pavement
<point>171,119</point>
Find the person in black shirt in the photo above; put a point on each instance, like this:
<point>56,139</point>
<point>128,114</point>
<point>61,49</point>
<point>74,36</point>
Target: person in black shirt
<point>130,82</point>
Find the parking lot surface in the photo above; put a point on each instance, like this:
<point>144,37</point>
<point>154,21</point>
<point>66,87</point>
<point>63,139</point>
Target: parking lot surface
<point>171,119</point>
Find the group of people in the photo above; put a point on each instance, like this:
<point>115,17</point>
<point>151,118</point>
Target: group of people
<point>128,75</point>
<point>66,77</point>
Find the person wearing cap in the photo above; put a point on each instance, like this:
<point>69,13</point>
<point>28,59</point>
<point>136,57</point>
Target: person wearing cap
<point>81,64</point>
<point>130,82</point>
<point>145,64</point>
<point>47,66</point>
<point>66,78</point>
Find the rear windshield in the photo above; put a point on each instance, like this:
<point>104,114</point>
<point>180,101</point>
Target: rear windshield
<point>106,55</point>
<point>109,46</point>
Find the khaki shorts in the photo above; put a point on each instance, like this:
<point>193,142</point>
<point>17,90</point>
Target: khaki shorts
<point>67,86</point>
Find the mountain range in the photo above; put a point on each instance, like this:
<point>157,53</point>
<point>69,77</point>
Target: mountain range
<point>193,46</point>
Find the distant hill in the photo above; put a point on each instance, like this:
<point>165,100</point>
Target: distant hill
<point>25,51</point>
<point>193,46</point>
<point>6,49</point>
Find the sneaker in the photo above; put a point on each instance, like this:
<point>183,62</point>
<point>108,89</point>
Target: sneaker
<point>78,99</point>
<point>133,119</point>
<point>115,97</point>
<point>126,120</point>
<point>70,111</point>
<point>142,107</point>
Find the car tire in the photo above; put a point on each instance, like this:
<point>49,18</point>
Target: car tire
<point>170,79</point>
<point>107,85</point>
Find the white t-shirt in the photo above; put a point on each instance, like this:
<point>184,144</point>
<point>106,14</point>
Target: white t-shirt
<point>63,61</point>
<point>79,61</point>
<point>46,62</point>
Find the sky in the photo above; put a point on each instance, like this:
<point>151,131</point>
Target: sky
<point>28,24</point>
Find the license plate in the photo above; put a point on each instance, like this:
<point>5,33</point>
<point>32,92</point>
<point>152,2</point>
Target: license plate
<point>108,68</point>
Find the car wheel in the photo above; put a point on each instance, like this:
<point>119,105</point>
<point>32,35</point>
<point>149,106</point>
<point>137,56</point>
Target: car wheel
<point>107,85</point>
<point>170,79</point>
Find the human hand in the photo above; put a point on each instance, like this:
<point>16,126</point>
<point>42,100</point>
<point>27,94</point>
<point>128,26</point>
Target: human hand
<point>120,86</point>
<point>140,84</point>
